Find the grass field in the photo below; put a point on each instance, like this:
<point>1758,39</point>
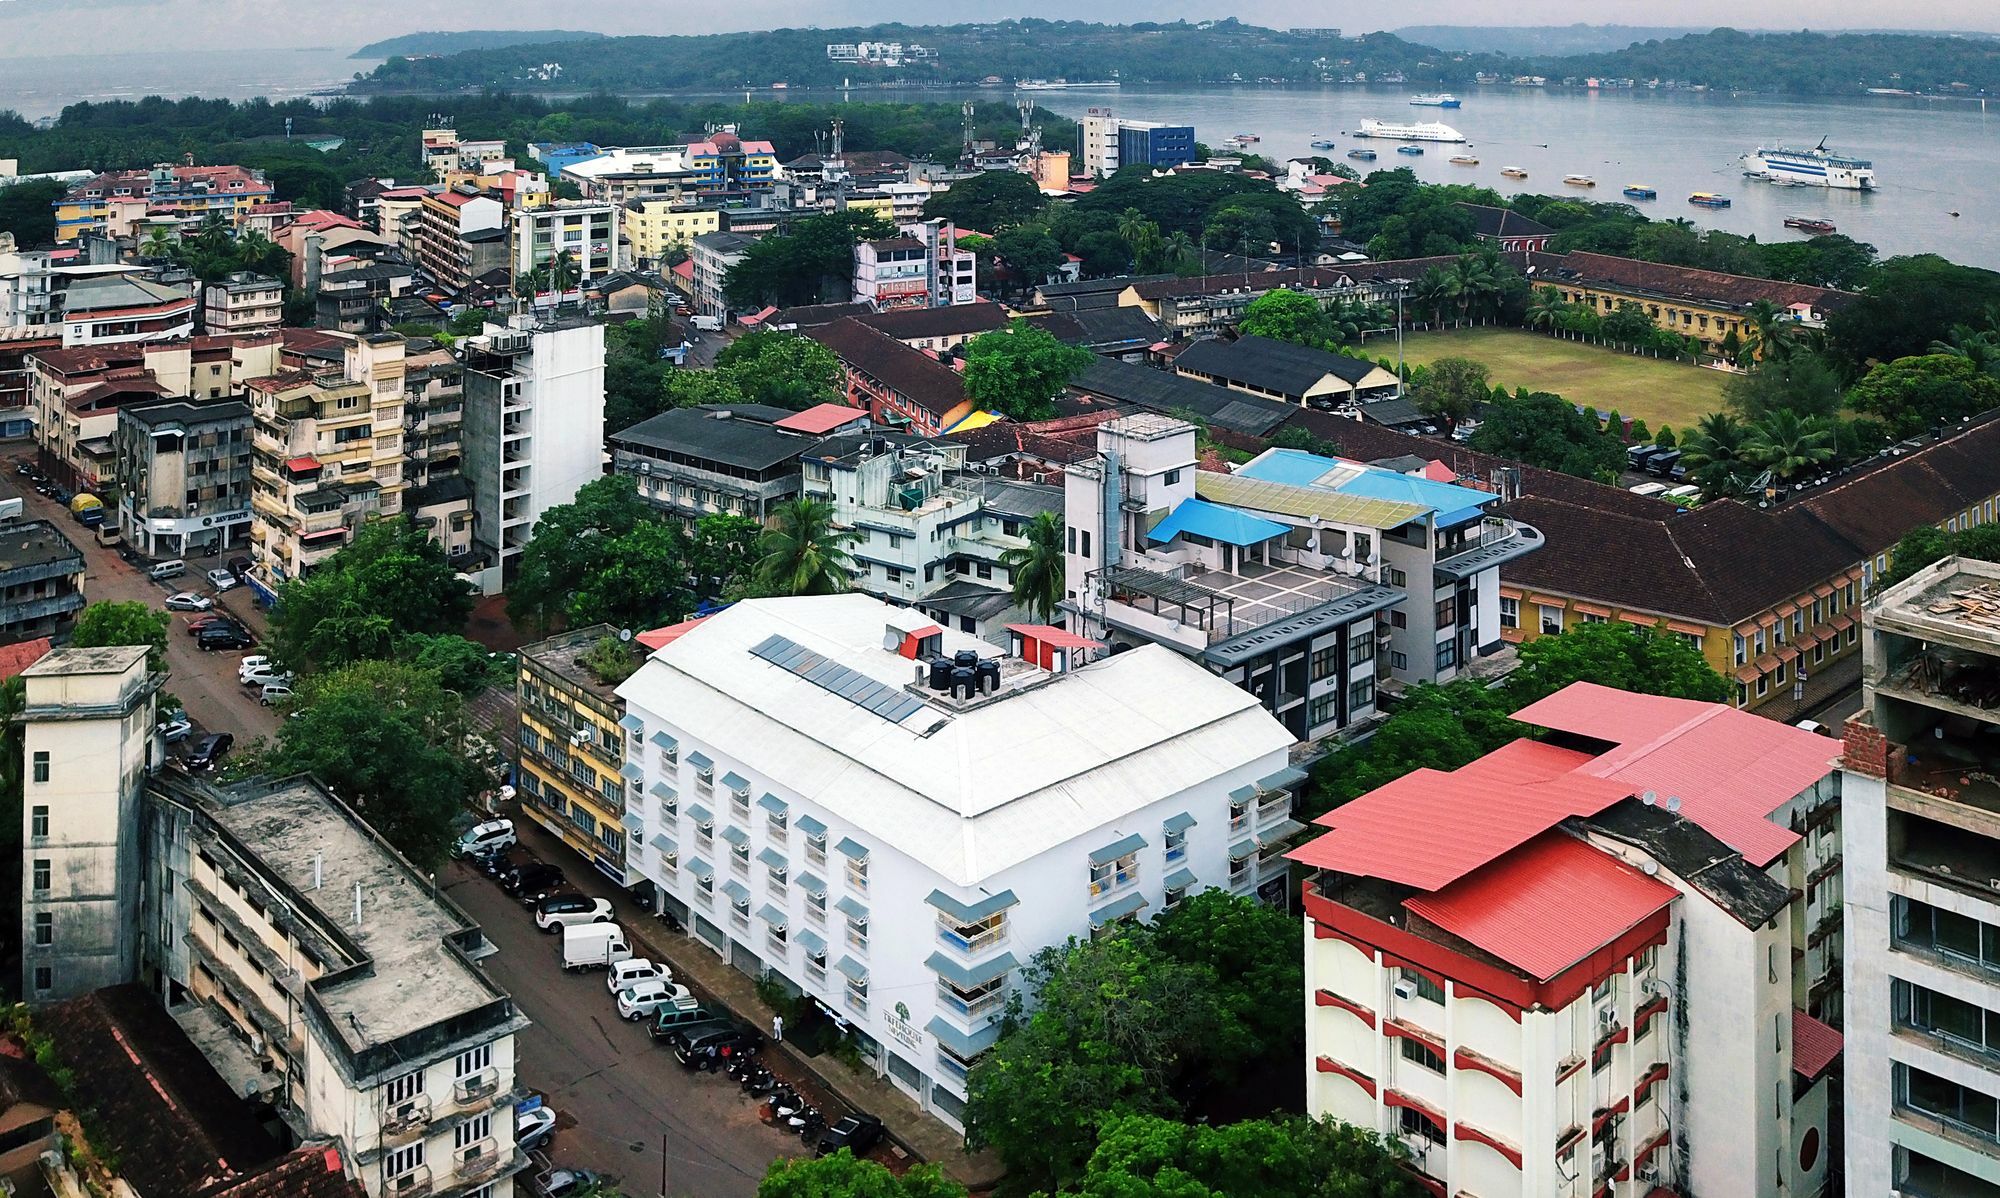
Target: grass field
<point>1638,388</point>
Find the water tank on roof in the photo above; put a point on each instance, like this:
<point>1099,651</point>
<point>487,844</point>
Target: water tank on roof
<point>940,674</point>
<point>965,659</point>
<point>989,675</point>
<point>964,682</point>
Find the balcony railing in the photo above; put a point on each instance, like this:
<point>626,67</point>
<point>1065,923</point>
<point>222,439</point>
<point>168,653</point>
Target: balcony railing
<point>971,1007</point>
<point>476,1087</point>
<point>406,1118</point>
<point>478,1160</point>
<point>949,933</point>
<point>414,1184</point>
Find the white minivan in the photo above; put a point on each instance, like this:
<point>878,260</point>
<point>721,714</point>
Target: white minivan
<point>491,836</point>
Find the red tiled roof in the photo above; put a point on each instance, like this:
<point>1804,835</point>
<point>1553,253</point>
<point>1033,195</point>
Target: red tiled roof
<point>1546,905</point>
<point>1814,1045</point>
<point>916,376</point>
<point>1729,768</point>
<point>1681,282</point>
<point>685,268</point>
<point>820,418</point>
<point>17,657</point>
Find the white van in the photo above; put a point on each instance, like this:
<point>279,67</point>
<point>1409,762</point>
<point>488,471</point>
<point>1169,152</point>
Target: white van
<point>171,568</point>
<point>707,324</point>
<point>1684,492</point>
<point>490,836</point>
<point>1648,489</point>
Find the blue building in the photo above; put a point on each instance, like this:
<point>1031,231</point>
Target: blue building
<point>1155,145</point>
<point>558,155</point>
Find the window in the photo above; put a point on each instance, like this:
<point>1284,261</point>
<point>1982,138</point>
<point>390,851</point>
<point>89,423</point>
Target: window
<point>1952,1019</point>
<point>1960,938</point>
<point>1361,649</point>
<point>1427,989</point>
<point>1173,478</point>
<point>1552,618</point>
<point>857,932</point>
<point>1398,661</point>
<point>45,977</point>
<point>1602,990</point>
<point>1740,649</point>
<point>41,872</point>
<point>45,929</point>
<point>1798,622</point>
<point>403,1161</point>
<point>471,1132</point>
<point>1083,539</point>
<point>1447,613</point>
<point>1412,1122</point>
<point>1957,1105</point>
<point>1420,1052</point>
<point>1447,655</point>
<point>1323,662</point>
<point>1510,612</point>
<point>1319,711</point>
<point>402,1089</point>
<point>1174,843</point>
<point>1763,685</point>
<point>1360,693</point>
<point>1111,875</point>
<point>41,766</point>
<point>472,1061</point>
<point>1760,642</point>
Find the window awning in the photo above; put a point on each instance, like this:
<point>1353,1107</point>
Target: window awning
<point>771,915</point>
<point>971,912</point>
<point>810,826</point>
<point>1179,823</point>
<point>813,941</point>
<point>738,893</point>
<point>963,1046</point>
<point>700,868</point>
<point>665,844</point>
<point>773,804</point>
<point>965,977</point>
<point>700,761</point>
<point>1282,830</point>
<point>633,823</point>
<point>735,835</point>
<point>1180,879</point>
<point>700,814</point>
<point>734,781</point>
<point>632,724</point>
<point>852,908</point>
<point>1118,848</point>
<point>1199,517</point>
<point>1242,849</point>
<point>664,741</point>
<point>813,885</point>
<point>853,969</point>
<point>631,772</point>
<point>662,791</point>
<point>1118,909</point>
<point>1244,794</point>
<point>773,858</point>
<point>849,848</point>
<point>1284,779</point>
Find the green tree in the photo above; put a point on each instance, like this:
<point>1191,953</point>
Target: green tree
<point>1286,315</point>
<point>1546,309</point>
<point>1917,393</point>
<point>1614,654</point>
<point>571,543</point>
<point>1434,727</point>
<point>461,665</point>
<point>783,370</point>
<point>812,262</point>
<point>1715,457</point>
<point>124,623</point>
<point>842,1176</point>
<point>1032,254</point>
<point>1434,291</point>
<point>1546,430</point>
<point>27,210</point>
<point>1450,389</point>
<point>1918,548</point>
<point>1789,445</point>
<point>1665,438</point>
<point>804,552</point>
<point>721,555</point>
<point>1255,953</point>
<point>391,580</point>
<point>1804,384</point>
<point>639,581</point>
<point>991,202</point>
<point>634,373</point>
<point>1770,331</point>
<point>1018,371</point>
<point>1908,303</point>
<point>13,701</point>
<point>1036,569</point>
<point>683,388</point>
<point>1145,1156</point>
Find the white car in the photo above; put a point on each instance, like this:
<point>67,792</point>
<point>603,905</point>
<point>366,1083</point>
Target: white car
<point>560,910</point>
<point>534,1129</point>
<point>221,580</point>
<point>638,1002</point>
<point>265,676</point>
<point>627,974</point>
<point>491,836</point>
<point>189,601</point>
<point>252,663</point>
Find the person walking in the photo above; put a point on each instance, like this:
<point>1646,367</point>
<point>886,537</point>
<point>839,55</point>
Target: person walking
<point>777,1027</point>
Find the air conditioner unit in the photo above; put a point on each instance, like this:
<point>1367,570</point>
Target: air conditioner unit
<point>1405,989</point>
<point>256,1045</point>
<point>1649,1173</point>
<point>582,736</point>
<point>404,1113</point>
<point>1607,1018</point>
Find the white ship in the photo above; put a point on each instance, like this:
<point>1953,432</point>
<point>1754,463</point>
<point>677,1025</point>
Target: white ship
<point>1817,167</point>
<point>1429,131</point>
<point>1061,85</point>
<point>1441,100</point>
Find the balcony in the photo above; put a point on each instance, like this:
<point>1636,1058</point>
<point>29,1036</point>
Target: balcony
<point>414,1184</point>
<point>480,1160</point>
<point>1944,853</point>
<point>406,1120</point>
<point>1496,540</point>
<point>970,945</point>
<point>476,1088</point>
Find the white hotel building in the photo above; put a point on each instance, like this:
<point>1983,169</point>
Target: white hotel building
<point>897,852</point>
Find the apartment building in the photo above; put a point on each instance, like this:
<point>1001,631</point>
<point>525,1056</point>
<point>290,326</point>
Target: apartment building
<point>124,309</point>
<point>459,236</point>
<point>649,173</point>
<point>1922,880</point>
<point>712,459</point>
<point>711,255</point>
<point>572,749</point>
<point>110,204</point>
<point>923,268</point>
<point>586,232</point>
<point>445,151</point>
<point>183,476</point>
<point>533,428</point>
<point>1595,986</point>
<point>1107,142</point>
<point>886,847</point>
<point>327,454</point>
<point>27,287</point>
<point>653,228</point>
<point>41,579</point>
<point>1310,581</point>
<point>243,302</point>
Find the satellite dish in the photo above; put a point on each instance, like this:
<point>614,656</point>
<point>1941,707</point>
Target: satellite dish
<point>1649,798</point>
<point>624,634</point>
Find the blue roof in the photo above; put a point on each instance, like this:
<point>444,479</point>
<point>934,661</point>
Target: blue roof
<point>1295,467</point>
<point>1218,523</point>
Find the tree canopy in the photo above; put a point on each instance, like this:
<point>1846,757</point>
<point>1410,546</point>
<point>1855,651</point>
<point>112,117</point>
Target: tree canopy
<point>1922,392</point>
<point>1450,389</point>
<point>990,202</point>
<point>390,581</point>
<point>1282,314</point>
<point>1018,371</point>
<point>1546,430</point>
<point>1909,303</point>
<point>811,262</point>
<point>1145,1156</point>
<point>124,623</point>
<point>842,1176</point>
<point>781,369</point>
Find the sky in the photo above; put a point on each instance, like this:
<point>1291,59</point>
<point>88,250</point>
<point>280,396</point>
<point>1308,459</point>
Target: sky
<point>31,27</point>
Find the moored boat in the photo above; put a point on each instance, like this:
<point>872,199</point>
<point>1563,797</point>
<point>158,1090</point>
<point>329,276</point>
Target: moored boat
<point>1817,167</point>
<point>1412,150</point>
<point>1404,131</point>
<point>1579,180</point>
<point>1322,143</point>
<point>1513,172</point>
<point>1810,224</point>
<point>1464,160</point>
<point>1639,191</point>
<point>1362,155</point>
<point>1440,100</point>
<point>1708,199</point>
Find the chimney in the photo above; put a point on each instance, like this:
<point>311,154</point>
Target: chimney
<point>357,904</point>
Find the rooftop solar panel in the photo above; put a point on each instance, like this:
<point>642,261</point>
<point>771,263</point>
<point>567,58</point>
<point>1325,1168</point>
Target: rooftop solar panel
<point>855,687</point>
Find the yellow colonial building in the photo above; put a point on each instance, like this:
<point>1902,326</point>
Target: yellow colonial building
<point>652,227</point>
<point>571,745</point>
<point>1706,305</point>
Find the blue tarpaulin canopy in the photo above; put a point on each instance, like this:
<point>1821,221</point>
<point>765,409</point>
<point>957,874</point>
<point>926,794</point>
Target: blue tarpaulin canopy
<point>1217,523</point>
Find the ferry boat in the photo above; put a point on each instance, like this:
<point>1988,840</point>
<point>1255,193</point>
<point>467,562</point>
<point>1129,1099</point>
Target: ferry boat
<point>1411,150</point>
<point>1817,167</point>
<point>1247,138</point>
<point>1513,172</point>
<point>1810,224</point>
<point>1637,191</point>
<point>1441,100</point>
<point>1362,155</point>
<point>1394,131</point>
<point>1708,199</point>
<point>1579,180</point>
<point>1061,85</point>
<point>1464,160</point>
<point>1322,143</point>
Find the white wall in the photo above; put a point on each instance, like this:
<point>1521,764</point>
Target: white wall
<point>568,414</point>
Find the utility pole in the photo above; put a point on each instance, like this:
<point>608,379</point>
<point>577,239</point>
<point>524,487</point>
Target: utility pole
<point>663,1165</point>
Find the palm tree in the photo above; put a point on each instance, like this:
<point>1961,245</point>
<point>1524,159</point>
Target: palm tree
<point>565,273</point>
<point>1767,330</point>
<point>1788,445</point>
<point>1037,567</point>
<point>1180,251</point>
<point>1432,291</point>
<point>1713,453</point>
<point>158,244</point>
<point>804,552</point>
<point>1546,308</point>
<point>1475,283</point>
<point>1981,347</point>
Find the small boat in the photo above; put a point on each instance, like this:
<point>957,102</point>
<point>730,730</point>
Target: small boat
<point>1362,155</point>
<point>1413,151</point>
<point>1708,199</point>
<point>1247,138</point>
<point>1513,172</point>
<point>1464,160</point>
<point>1636,191</point>
<point>1322,143</point>
<point>1579,180</point>
<point>1441,100</point>
<point>1809,224</point>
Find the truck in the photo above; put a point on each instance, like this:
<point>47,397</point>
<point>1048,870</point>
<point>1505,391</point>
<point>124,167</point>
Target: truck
<point>592,946</point>
<point>87,508</point>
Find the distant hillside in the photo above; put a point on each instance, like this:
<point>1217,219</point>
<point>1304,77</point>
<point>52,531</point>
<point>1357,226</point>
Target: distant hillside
<point>1802,63</point>
<point>1536,41</point>
<point>468,39</point>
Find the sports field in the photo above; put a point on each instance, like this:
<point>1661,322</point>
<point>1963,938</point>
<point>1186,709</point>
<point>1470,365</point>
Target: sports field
<point>1649,389</point>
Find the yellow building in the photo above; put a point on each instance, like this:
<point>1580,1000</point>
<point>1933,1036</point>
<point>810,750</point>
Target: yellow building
<point>1052,170</point>
<point>652,227</point>
<point>1707,305</point>
<point>112,203</point>
<point>571,779</point>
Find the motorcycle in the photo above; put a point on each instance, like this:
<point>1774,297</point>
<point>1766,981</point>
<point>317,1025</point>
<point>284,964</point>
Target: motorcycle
<point>758,1080</point>
<point>810,1124</point>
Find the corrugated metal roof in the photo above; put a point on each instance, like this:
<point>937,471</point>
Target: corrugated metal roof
<point>1216,522</point>
<point>1545,906</point>
<point>1306,502</point>
<point>1814,1044</point>
<point>1730,769</point>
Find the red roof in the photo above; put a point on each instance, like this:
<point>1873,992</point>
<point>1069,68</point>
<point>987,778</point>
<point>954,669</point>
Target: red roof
<point>1053,637</point>
<point>660,638</point>
<point>685,268</point>
<point>1730,769</point>
<point>820,418</point>
<point>1545,906</point>
<point>301,464</point>
<point>1814,1045</point>
<point>18,657</point>
<point>1429,828</point>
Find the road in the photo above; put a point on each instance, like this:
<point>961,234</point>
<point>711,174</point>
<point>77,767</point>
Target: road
<point>616,1094</point>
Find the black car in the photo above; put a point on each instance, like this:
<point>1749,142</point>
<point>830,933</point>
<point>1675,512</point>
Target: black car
<point>208,751</point>
<point>218,636</point>
<point>856,1133</point>
<point>713,1049</point>
<point>533,882</point>
<point>498,863</point>
<point>239,566</point>
<point>671,1026</point>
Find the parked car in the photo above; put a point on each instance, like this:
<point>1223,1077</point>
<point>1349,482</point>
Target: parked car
<point>239,566</point>
<point>534,1129</point>
<point>231,637</point>
<point>569,1182</point>
<point>493,834</point>
<point>708,1049</point>
<point>214,619</point>
<point>669,1024</point>
<point>189,601</point>
<point>175,727</point>
<point>221,579</point>
<point>209,751</point>
<point>856,1133</point>
<point>274,692</point>
<point>497,865</point>
<point>645,998</point>
<point>259,678</point>
<point>253,663</point>
<point>558,910</point>
<point>625,974</point>
<point>533,882</point>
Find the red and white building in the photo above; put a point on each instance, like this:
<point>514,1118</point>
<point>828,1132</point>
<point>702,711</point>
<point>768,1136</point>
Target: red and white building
<point>923,268</point>
<point>1577,967</point>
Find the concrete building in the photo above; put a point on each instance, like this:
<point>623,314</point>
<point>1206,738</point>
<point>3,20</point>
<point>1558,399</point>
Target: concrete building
<point>711,255</point>
<point>1107,142</point>
<point>27,287</point>
<point>243,303</point>
<point>1595,985</point>
<point>358,299</point>
<point>460,235</point>
<point>587,232</point>
<point>183,476</point>
<point>1309,581</point>
<point>41,579</point>
<point>891,850</point>
<point>110,204</point>
<point>533,429</point>
<point>900,388</point>
<point>572,749</point>
<point>1707,305</point>
<point>623,174</point>
<point>712,460</point>
<point>1921,874</point>
<point>923,268</point>
<point>123,309</point>
<point>655,227</point>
